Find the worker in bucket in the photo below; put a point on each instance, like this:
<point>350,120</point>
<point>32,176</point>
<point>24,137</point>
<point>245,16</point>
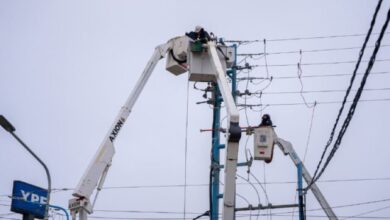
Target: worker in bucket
<point>266,120</point>
<point>199,34</point>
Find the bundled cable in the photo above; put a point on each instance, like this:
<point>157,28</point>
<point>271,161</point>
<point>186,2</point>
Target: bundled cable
<point>356,99</point>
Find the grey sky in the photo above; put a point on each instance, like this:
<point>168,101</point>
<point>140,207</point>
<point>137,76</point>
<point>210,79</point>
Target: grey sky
<point>66,68</point>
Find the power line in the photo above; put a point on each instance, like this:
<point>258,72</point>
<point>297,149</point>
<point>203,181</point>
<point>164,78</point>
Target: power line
<point>309,133</point>
<point>326,217</point>
<point>300,38</point>
<point>327,75</point>
<point>264,190</point>
<point>299,74</point>
<point>322,63</point>
<point>353,216</point>
<point>369,212</point>
<point>143,218</point>
<point>277,213</point>
<point>306,51</point>
<point>241,183</point>
<point>309,76</point>
<point>185,152</point>
<point>196,213</point>
<point>342,206</point>
<point>312,103</point>
<point>145,211</point>
<point>253,186</point>
<point>320,50</point>
<point>320,91</point>
<point>355,100</point>
<point>321,37</point>
<point>206,213</point>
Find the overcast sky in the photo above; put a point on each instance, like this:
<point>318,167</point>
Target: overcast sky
<point>67,67</point>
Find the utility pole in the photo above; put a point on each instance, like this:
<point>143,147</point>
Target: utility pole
<point>216,145</point>
<point>215,155</point>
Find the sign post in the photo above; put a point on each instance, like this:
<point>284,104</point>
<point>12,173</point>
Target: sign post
<point>29,200</point>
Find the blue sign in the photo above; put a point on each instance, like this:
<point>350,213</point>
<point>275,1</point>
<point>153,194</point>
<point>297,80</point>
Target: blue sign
<point>28,199</point>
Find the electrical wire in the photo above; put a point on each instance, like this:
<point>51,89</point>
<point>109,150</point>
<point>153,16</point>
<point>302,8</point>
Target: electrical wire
<point>143,218</point>
<point>247,139</point>
<point>353,204</point>
<point>284,213</point>
<point>250,55</point>
<point>56,190</point>
<point>247,121</point>
<point>265,184</point>
<point>317,102</point>
<point>326,217</point>
<point>247,201</point>
<point>262,187</point>
<point>340,206</point>
<point>368,212</point>
<point>143,211</point>
<point>323,91</point>
<point>306,148</point>
<point>309,133</point>
<point>185,152</point>
<point>246,149</point>
<point>322,63</point>
<point>277,213</point>
<point>206,213</point>
<point>257,192</point>
<point>320,37</point>
<point>265,57</point>
<point>264,190</point>
<point>307,145</point>
<point>327,75</point>
<point>299,74</point>
<point>321,50</point>
<point>245,101</point>
<point>260,93</point>
<point>355,100</point>
<point>301,38</point>
<point>266,86</point>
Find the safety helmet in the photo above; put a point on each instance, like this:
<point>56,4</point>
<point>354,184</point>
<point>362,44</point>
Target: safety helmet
<point>198,28</point>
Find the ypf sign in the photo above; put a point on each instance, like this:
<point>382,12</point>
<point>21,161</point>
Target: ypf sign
<point>28,199</point>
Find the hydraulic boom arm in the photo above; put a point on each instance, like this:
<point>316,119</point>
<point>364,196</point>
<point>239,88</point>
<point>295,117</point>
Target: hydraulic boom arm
<point>287,149</point>
<point>96,172</point>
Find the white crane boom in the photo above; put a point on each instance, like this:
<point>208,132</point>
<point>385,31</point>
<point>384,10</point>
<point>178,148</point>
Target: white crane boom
<point>98,167</point>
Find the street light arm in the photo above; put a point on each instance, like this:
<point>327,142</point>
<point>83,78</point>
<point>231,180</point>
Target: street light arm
<point>39,160</point>
<point>11,129</point>
<point>44,166</point>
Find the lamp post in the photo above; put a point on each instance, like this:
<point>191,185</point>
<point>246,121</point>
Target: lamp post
<point>11,129</point>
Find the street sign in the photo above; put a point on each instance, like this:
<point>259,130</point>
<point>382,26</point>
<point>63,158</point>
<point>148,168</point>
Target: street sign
<point>28,199</point>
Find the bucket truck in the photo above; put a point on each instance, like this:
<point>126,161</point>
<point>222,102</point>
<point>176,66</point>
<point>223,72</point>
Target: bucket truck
<point>264,140</point>
<point>205,62</point>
